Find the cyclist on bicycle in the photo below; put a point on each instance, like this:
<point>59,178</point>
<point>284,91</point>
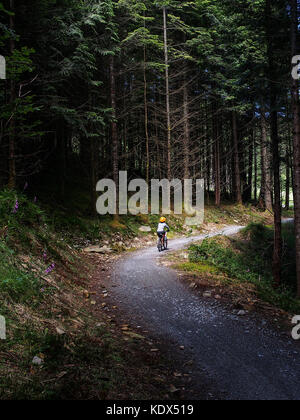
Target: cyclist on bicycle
<point>162,227</point>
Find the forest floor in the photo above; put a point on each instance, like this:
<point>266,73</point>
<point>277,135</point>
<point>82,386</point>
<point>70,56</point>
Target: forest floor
<point>69,335</point>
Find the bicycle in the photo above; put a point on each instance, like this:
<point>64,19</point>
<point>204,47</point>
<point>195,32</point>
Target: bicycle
<point>162,243</point>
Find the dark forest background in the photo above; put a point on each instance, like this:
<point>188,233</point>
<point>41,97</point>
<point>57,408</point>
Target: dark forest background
<point>162,89</point>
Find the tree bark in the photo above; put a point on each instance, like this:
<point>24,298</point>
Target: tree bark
<point>146,116</point>
<point>296,140</point>
<point>288,179</point>
<point>186,136</point>
<point>217,167</point>
<point>277,195</point>
<point>255,171</point>
<point>93,173</point>
<point>237,172</point>
<point>114,132</point>
<point>12,179</point>
<point>277,254</point>
<point>250,167</point>
<point>167,95</point>
<point>266,180</point>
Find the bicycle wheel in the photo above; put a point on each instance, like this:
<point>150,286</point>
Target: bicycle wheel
<point>166,243</point>
<point>159,245</point>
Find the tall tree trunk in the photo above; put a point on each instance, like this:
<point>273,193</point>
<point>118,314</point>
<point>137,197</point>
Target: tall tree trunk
<point>277,254</point>
<point>186,135</point>
<point>250,168</point>
<point>158,154</point>
<point>217,167</point>
<point>288,179</point>
<point>237,172</point>
<point>266,181</point>
<point>277,194</point>
<point>94,150</point>
<point>217,172</point>
<point>167,95</point>
<point>12,179</point>
<point>296,140</point>
<point>207,149</point>
<point>255,170</point>
<point>114,132</point>
<point>146,116</point>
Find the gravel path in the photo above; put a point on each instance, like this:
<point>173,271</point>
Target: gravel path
<point>242,358</point>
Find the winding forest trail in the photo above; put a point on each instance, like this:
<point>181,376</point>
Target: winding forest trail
<point>242,357</point>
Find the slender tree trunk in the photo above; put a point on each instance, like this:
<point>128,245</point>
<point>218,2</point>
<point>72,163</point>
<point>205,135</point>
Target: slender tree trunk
<point>243,170</point>
<point>266,181</point>
<point>288,179</point>
<point>146,123</point>
<point>186,136</point>
<point>255,171</point>
<point>296,141</point>
<point>277,195</point>
<point>167,94</point>
<point>277,254</point>
<point>217,167</point>
<point>217,172</point>
<point>207,148</point>
<point>146,116</point>
<point>250,168</point>
<point>12,179</point>
<point>114,131</point>
<point>237,172</point>
<point>94,153</point>
<point>158,154</point>
<point>126,125</point>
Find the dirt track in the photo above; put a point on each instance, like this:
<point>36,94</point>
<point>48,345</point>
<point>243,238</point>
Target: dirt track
<point>239,357</point>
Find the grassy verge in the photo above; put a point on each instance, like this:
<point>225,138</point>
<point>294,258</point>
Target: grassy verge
<point>60,344</point>
<point>246,260</point>
<point>229,214</point>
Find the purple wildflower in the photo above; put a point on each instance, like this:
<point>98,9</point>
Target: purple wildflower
<point>45,256</point>
<point>16,208</point>
<point>25,186</point>
<point>49,269</point>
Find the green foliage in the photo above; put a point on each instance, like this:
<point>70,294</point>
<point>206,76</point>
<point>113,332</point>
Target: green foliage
<point>250,260</point>
<point>18,216</point>
<point>19,62</point>
<point>27,214</point>
<point>15,282</point>
<point>198,267</point>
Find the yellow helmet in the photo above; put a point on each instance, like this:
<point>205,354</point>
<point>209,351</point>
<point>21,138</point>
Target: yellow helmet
<point>163,220</point>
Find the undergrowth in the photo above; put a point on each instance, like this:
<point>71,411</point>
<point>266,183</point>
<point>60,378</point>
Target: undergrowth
<point>43,298</point>
<point>248,258</point>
